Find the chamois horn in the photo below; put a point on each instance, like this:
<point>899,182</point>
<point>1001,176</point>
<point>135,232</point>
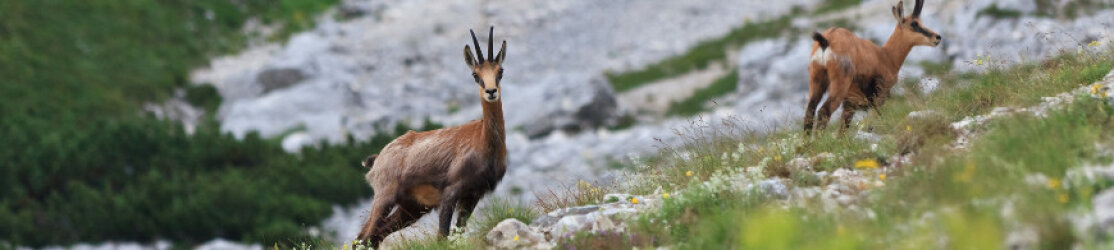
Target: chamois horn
<point>479,51</point>
<point>917,8</point>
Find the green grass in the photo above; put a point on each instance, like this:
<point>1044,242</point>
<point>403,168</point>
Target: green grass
<point>835,5</point>
<point>501,209</point>
<point>965,191</point>
<point>700,56</point>
<point>695,103</point>
<point>715,50</point>
<point>91,166</point>
<point>999,13</point>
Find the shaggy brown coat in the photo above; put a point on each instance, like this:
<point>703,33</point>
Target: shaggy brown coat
<point>448,169</point>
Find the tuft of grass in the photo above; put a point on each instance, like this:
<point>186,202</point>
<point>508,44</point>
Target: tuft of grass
<point>834,5</point>
<point>696,103</point>
<point>699,56</point>
<point>583,193</point>
<point>936,68</point>
<point>501,209</point>
<point>999,13</point>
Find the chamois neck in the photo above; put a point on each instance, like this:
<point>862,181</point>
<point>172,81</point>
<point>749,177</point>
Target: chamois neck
<point>896,50</point>
<point>493,131</point>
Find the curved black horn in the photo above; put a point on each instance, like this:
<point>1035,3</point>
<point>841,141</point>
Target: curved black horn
<point>479,51</point>
<point>917,8</point>
<point>490,43</point>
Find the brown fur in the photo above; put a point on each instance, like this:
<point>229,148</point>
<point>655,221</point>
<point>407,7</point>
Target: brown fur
<point>855,72</point>
<point>448,169</point>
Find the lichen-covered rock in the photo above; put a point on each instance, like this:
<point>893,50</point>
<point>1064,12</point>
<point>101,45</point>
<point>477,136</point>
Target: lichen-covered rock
<point>513,234</point>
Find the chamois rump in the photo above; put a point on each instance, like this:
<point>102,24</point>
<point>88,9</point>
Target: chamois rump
<point>450,169</point>
<point>857,73</point>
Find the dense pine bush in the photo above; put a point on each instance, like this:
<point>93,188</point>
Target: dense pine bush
<point>81,162</point>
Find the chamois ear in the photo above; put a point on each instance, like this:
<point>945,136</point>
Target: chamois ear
<point>502,53</point>
<point>899,11</point>
<point>468,58</point>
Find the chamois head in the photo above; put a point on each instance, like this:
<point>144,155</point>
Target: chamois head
<point>910,29</point>
<point>487,73</point>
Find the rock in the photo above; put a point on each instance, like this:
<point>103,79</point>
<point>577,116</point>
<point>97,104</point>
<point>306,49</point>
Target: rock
<point>552,217</point>
<point>222,244</point>
<point>513,234</point>
<point>924,114</point>
<point>570,225</point>
<point>1025,238</point>
<point>867,136</point>
<point>279,78</point>
<point>293,143</point>
<point>354,9</point>
<point>1103,207</point>
<point>773,188</point>
<point>579,108</point>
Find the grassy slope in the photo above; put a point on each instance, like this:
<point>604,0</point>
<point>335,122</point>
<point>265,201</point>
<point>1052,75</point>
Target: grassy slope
<point>958,195</point>
<point>83,162</point>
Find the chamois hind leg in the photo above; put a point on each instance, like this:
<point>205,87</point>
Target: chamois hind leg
<point>848,114</point>
<point>837,92</point>
<point>817,85</point>
<point>465,207</point>
<point>380,206</point>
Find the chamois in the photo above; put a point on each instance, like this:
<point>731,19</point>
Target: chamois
<point>857,73</point>
<point>450,168</point>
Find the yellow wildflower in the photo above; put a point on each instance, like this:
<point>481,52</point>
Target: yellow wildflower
<point>882,177</point>
<point>634,200</point>
<point>1095,88</point>
<point>1094,43</point>
<point>866,163</point>
<point>1062,198</point>
<point>777,158</point>
<point>516,237</point>
<point>511,210</point>
<point>688,173</point>
<point>665,195</point>
<point>1054,183</point>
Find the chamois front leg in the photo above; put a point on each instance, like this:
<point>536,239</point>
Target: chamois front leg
<point>466,206</point>
<point>445,210</point>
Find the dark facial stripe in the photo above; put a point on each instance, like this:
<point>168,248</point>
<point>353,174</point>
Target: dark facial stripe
<point>918,29</point>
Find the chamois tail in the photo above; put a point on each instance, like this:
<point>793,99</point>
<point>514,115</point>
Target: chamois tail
<point>820,39</point>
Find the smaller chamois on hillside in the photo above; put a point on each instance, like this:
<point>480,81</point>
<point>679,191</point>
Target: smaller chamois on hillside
<point>450,169</point>
<point>857,73</point>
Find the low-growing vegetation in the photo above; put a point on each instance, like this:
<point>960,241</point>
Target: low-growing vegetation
<point>84,163</point>
<point>1000,13</point>
<point>1021,162</point>
<point>696,103</point>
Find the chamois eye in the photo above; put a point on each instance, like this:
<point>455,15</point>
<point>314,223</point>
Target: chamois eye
<point>476,76</point>
<point>500,76</point>
<point>915,24</point>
